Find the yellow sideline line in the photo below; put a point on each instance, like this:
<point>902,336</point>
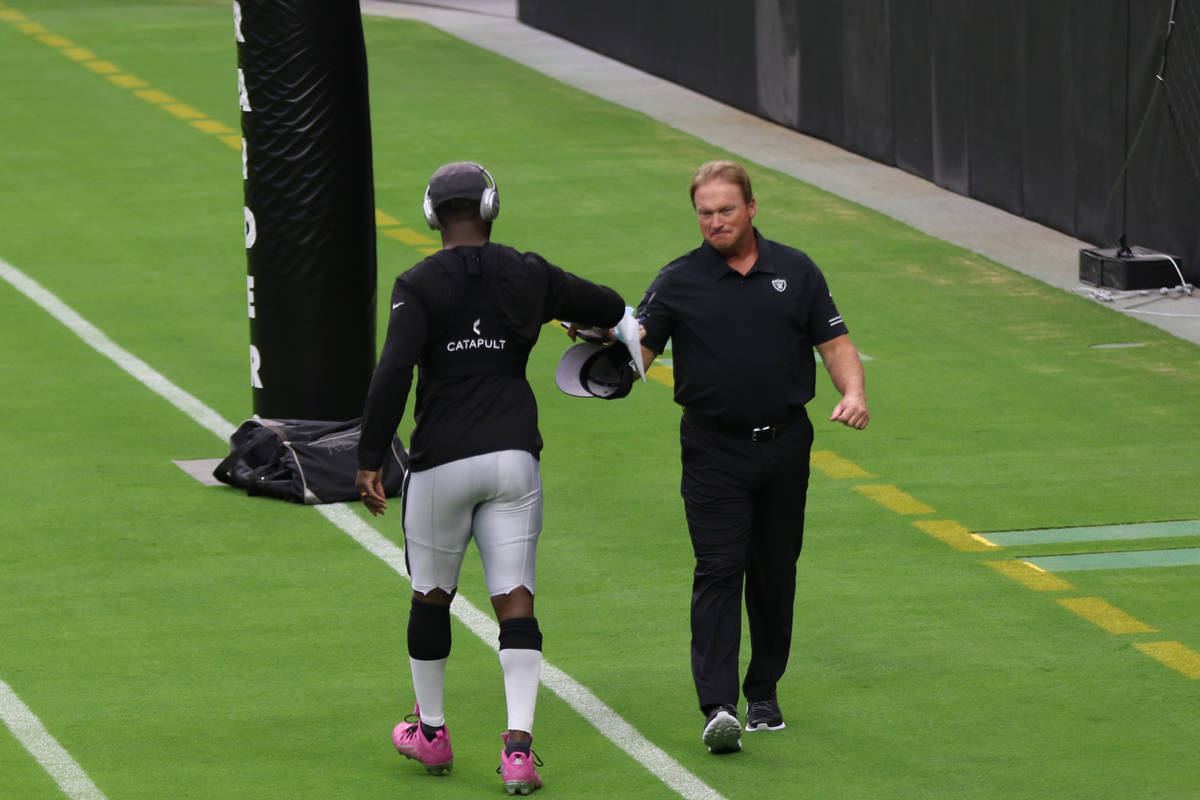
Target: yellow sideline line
<point>1174,655</point>
<point>893,499</point>
<point>117,76</point>
<point>142,89</point>
<point>577,696</point>
<point>1030,576</point>
<point>393,228</point>
<point>1104,615</point>
<point>1093,609</point>
<point>954,534</point>
<point>837,467</point>
<point>54,40</point>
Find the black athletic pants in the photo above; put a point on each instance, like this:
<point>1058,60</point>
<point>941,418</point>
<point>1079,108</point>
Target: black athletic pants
<point>744,502</point>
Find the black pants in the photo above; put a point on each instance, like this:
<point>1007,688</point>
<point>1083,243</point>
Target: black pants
<point>744,502</point>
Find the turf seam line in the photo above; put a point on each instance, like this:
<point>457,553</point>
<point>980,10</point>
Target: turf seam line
<point>610,724</point>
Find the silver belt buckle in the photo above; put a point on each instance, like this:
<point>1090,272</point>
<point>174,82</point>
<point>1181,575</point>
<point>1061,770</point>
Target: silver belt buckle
<point>754,432</point>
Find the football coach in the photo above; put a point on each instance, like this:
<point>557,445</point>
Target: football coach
<point>743,314</point>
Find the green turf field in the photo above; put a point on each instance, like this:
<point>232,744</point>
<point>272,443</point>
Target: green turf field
<point>184,641</point>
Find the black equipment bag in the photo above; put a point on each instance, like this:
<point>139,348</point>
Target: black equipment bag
<point>304,461</point>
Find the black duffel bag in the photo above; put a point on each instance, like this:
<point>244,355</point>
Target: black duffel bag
<point>304,461</point>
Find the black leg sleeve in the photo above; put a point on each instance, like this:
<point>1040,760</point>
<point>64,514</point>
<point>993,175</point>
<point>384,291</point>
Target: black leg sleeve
<point>428,631</point>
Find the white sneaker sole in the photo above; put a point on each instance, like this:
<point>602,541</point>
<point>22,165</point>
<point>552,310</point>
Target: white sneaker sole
<point>723,734</point>
<point>762,726</point>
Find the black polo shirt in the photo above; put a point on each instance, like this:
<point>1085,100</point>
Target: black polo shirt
<point>742,345</point>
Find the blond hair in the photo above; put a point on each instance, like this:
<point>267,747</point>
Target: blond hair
<point>728,171</point>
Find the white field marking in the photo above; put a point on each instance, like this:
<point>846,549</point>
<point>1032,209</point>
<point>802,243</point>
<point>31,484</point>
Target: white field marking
<point>31,733</point>
<point>93,336</point>
<point>576,695</point>
<point>610,724</point>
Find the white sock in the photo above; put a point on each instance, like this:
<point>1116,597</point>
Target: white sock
<point>429,685</point>
<point>522,671</point>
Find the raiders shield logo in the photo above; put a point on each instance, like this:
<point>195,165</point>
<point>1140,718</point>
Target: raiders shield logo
<point>780,284</point>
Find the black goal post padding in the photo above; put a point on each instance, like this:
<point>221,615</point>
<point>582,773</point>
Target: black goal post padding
<point>309,206</point>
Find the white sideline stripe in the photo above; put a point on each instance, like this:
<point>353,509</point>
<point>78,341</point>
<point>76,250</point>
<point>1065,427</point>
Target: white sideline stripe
<point>31,733</point>
<point>576,695</point>
<point>614,728</point>
<point>93,336</point>
<point>608,722</point>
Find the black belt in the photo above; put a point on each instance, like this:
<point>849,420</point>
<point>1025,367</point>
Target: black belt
<point>756,433</point>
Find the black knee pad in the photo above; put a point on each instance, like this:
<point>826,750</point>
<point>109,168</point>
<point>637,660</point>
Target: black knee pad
<point>520,634</point>
<point>428,631</point>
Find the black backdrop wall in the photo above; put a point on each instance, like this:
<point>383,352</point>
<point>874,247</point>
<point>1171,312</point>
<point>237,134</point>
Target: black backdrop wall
<point>1028,105</point>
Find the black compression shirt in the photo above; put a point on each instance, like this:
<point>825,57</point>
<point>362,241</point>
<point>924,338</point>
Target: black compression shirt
<point>468,318</point>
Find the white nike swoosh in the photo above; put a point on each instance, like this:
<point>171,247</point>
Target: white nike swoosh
<point>397,305</point>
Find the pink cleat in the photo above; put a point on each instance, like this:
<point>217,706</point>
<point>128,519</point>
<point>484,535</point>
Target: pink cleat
<point>437,756</point>
<point>518,770</point>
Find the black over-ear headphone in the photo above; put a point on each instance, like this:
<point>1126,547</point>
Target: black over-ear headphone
<point>489,201</point>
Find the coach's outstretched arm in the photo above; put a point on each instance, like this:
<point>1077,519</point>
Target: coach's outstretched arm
<point>623,333</point>
<point>841,359</point>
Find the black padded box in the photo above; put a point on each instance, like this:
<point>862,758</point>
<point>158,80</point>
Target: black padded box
<point>1139,268</point>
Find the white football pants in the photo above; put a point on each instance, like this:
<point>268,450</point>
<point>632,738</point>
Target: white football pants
<point>495,498</point>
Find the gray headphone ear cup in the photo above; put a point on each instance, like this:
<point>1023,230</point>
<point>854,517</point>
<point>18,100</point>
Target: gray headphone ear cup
<point>427,207</point>
<point>489,203</point>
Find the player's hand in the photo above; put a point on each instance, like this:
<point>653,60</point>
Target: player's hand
<point>587,334</point>
<point>628,331</point>
<point>369,483</point>
<point>851,412</point>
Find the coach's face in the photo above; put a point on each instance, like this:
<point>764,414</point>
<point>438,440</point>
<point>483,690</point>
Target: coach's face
<point>724,215</point>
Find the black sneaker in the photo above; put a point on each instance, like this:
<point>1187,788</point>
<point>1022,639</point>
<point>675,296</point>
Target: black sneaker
<point>722,733</point>
<point>764,715</point>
